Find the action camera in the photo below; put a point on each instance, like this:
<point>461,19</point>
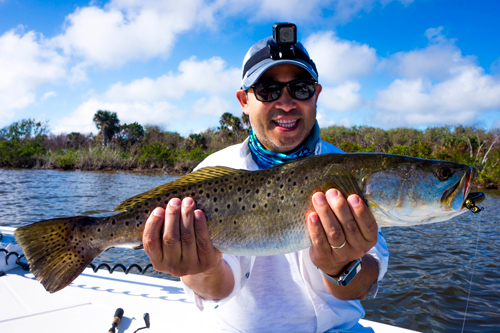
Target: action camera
<point>285,34</point>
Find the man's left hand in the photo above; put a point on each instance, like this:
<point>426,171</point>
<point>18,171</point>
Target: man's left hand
<point>335,221</point>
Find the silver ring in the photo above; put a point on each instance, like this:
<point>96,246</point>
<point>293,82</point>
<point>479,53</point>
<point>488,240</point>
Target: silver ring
<point>338,247</point>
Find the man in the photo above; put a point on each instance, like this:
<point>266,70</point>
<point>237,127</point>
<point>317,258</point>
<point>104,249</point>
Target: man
<point>296,292</point>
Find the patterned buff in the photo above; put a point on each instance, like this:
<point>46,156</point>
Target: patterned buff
<point>266,158</point>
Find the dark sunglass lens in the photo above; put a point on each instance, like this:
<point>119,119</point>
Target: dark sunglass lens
<point>267,91</point>
<point>302,90</point>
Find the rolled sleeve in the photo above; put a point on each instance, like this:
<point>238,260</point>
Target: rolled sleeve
<point>235,266</point>
<point>381,254</point>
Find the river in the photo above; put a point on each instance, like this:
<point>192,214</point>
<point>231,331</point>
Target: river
<point>442,277</point>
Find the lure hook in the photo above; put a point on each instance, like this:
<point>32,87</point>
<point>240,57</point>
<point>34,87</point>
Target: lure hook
<point>470,202</point>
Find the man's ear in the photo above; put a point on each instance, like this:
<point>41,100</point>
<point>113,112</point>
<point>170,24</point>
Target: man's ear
<point>242,97</point>
<point>318,90</point>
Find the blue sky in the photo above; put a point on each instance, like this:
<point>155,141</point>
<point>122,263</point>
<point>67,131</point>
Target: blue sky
<point>177,64</point>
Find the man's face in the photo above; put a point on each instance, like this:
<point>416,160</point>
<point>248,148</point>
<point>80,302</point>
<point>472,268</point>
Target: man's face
<point>281,125</point>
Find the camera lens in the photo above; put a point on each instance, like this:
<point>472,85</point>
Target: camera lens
<point>286,35</point>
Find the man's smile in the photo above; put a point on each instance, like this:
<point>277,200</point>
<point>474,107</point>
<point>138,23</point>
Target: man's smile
<point>289,124</point>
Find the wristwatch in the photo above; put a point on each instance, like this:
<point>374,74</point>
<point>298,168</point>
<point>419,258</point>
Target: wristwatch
<point>350,272</point>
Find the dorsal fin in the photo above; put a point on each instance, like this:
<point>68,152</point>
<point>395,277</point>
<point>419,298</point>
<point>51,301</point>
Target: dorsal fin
<point>194,178</point>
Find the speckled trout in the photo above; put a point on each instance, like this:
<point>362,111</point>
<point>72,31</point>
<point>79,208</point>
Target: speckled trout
<point>256,212</point>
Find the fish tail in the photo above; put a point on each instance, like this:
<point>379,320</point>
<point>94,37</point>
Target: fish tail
<point>58,250</point>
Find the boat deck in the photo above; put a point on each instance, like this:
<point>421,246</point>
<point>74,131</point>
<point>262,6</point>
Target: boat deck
<point>89,303</point>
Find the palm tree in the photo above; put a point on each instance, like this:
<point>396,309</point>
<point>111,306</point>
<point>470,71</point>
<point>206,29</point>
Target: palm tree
<point>108,124</point>
<point>245,120</point>
<point>225,120</point>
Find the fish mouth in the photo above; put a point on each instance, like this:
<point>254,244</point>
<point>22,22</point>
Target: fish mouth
<point>455,196</point>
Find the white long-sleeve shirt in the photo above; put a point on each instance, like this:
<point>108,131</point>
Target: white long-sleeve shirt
<point>283,292</point>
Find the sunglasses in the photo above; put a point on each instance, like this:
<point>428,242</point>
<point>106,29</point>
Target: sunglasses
<point>271,90</point>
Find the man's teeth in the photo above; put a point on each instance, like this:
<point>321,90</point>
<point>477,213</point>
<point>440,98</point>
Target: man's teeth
<point>286,123</point>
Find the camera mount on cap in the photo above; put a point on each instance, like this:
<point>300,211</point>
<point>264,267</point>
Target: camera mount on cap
<point>284,39</point>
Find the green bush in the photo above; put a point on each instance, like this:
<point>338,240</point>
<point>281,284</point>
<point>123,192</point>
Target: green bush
<point>66,159</point>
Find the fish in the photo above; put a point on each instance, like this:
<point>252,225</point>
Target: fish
<point>257,213</point>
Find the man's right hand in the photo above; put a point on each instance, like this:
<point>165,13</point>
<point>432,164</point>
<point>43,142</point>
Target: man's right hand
<point>177,240</point>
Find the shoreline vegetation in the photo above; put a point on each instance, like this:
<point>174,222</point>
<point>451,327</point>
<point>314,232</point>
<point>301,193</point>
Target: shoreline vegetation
<point>132,147</point>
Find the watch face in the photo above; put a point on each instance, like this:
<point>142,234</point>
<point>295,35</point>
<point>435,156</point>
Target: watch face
<point>350,274</point>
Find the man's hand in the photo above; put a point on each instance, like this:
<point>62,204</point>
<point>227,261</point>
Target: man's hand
<point>335,221</point>
<point>177,240</point>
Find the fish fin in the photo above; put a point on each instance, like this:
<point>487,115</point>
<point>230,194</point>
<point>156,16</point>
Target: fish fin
<point>54,251</point>
<point>139,247</point>
<point>194,178</point>
<point>338,177</point>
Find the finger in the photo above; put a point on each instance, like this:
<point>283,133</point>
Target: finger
<point>366,221</point>
<point>151,238</point>
<point>171,231</point>
<point>317,234</point>
<point>207,254</point>
<point>332,228</point>
<point>342,211</point>
<point>188,239</point>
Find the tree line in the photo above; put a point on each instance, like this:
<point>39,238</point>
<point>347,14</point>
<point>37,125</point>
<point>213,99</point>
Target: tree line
<point>28,144</point>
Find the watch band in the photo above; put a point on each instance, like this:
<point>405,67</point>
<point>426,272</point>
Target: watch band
<point>350,272</point>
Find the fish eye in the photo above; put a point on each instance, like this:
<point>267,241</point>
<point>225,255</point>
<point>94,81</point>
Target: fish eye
<point>444,173</point>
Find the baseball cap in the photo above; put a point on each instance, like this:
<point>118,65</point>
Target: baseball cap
<point>258,60</point>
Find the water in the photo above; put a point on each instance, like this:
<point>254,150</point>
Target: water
<point>430,267</point>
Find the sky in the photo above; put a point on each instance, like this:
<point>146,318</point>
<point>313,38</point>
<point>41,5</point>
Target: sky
<point>177,64</point>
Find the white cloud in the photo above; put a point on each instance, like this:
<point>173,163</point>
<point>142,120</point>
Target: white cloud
<point>212,106</point>
<point>437,86</point>
<point>339,60</point>
<point>130,30</point>
<point>206,76</point>
<point>48,95</point>
<point>26,62</point>
<point>437,61</point>
<point>338,11</point>
<point>151,101</point>
<point>344,97</point>
<point>324,120</point>
<point>160,113</point>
